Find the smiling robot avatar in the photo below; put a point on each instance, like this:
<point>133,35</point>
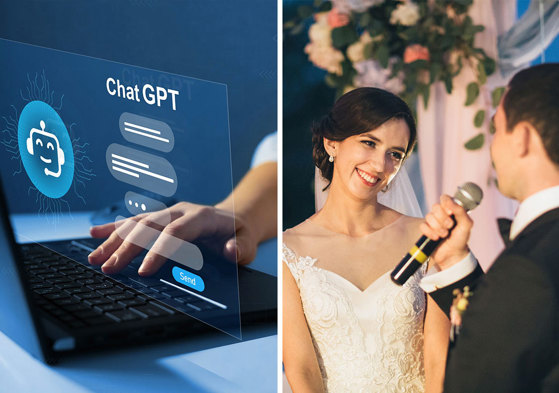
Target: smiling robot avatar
<point>46,146</point>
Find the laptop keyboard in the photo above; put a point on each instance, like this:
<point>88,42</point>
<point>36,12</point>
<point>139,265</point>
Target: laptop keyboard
<point>80,296</point>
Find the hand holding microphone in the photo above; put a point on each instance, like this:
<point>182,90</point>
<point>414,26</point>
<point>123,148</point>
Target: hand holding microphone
<point>446,231</point>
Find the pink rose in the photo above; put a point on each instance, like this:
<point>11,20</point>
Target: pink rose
<point>416,52</point>
<point>337,19</point>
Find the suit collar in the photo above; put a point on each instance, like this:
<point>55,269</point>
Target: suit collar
<point>533,207</point>
<point>550,216</point>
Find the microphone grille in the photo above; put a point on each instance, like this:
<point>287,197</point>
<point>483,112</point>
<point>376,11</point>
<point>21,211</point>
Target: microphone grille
<point>469,195</point>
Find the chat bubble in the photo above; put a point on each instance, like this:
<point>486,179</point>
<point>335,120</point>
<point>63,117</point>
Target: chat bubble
<point>147,132</point>
<point>170,247</point>
<point>141,169</point>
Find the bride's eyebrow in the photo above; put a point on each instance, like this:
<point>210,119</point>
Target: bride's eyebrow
<point>375,139</point>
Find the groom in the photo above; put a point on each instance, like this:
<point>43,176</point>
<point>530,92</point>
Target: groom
<point>509,334</point>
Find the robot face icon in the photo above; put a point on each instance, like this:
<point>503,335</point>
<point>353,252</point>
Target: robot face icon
<point>46,147</point>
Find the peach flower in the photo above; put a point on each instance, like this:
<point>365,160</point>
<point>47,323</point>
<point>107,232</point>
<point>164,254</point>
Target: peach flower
<point>337,19</point>
<point>415,52</point>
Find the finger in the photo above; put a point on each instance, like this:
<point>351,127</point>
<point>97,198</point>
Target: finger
<point>428,231</point>
<point>460,214</point>
<point>231,250</point>
<point>175,241</point>
<point>137,236</point>
<point>436,225</point>
<point>100,231</point>
<point>102,253</point>
<point>121,258</point>
<point>106,249</point>
<point>442,216</point>
<point>240,248</point>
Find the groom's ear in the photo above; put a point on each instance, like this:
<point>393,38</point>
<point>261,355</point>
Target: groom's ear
<point>330,146</point>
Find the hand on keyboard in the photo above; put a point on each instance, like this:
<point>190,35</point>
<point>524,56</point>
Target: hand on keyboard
<point>166,229</point>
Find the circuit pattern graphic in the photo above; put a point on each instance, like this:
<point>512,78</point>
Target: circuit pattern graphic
<point>38,88</point>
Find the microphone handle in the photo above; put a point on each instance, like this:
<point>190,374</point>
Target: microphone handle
<point>416,257</point>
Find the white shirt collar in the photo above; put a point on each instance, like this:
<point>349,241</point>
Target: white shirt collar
<point>533,207</point>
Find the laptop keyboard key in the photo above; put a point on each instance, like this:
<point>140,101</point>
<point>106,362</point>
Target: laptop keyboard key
<point>124,315</point>
<point>108,307</point>
<point>132,302</point>
<point>96,301</point>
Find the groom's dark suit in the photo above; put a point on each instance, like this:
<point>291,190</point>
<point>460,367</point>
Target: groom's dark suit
<point>509,340</point>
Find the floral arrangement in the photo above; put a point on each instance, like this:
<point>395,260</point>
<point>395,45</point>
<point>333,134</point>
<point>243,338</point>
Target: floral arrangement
<point>403,46</point>
<point>457,310</point>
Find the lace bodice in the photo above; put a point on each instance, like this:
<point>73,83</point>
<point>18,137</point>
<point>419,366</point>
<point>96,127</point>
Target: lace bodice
<point>366,341</point>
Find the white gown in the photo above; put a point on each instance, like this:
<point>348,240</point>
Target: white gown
<point>366,341</point>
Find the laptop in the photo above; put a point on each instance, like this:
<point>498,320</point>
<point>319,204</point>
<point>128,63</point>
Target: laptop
<point>81,132</point>
<point>55,305</point>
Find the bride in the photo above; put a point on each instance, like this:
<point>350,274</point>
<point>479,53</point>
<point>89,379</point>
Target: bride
<point>346,326</point>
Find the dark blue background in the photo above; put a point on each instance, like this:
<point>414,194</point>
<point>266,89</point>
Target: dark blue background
<point>231,42</point>
<point>201,155</point>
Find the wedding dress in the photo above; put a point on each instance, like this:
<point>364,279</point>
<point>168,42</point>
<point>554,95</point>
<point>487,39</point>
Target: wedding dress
<point>370,339</point>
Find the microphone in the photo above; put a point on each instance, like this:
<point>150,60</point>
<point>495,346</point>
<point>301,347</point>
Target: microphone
<point>468,195</point>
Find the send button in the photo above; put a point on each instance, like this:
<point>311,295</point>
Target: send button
<point>189,279</point>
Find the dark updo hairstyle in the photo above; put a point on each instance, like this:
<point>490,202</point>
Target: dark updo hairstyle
<point>359,111</point>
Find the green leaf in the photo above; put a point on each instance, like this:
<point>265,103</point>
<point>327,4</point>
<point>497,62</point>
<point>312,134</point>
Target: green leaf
<point>332,80</point>
<point>382,55</point>
<point>481,75</point>
<point>489,65</point>
<point>289,24</point>
<point>365,19</point>
<point>317,3</point>
<point>304,11</point>
<point>297,29</point>
<point>343,36</point>
<point>477,28</point>
<point>472,92</point>
<point>492,128</point>
<point>425,92</point>
<point>368,50</point>
<point>496,96</point>
<point>476,142</point>
<point>479,118</point>
<point>448,84</point>
<point>325,6</point>
<point>434,71</point>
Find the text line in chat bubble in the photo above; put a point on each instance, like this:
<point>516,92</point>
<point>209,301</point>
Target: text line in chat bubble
<point>146,132</point>
<point>141,169</point>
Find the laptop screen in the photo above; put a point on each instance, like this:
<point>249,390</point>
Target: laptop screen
<point>89,142</point>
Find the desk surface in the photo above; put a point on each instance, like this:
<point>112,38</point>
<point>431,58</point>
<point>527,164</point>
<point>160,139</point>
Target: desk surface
<point>210,364</point>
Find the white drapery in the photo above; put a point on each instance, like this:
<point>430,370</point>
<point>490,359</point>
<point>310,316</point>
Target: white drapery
<point>446,125</point>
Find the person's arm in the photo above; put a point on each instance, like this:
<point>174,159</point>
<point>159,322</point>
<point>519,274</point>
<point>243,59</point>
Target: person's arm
<point>452,258</point>
<point>255,204</point>
<point>435,346</point>
<point>508,340</point>
<point>299,357</point>
<point>237,225</point>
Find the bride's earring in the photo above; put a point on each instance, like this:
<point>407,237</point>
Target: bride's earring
<point>331,159</point>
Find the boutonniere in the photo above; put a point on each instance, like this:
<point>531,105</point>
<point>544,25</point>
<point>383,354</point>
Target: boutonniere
<point>459,306</point>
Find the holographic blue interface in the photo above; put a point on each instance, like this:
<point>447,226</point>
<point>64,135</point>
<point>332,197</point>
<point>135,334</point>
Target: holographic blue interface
<point>81,135</point>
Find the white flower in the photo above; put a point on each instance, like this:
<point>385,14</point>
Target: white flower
<point>320,34</point>
<point>346,6</point>
<point>325,57</point>
<point>406,14</point>
<point>356,52</point>
<point>371,74</point>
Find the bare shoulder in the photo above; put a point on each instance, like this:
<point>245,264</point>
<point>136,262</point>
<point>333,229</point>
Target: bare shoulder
<point>404,224</point>
<point>410,225</point>
<point>294,238</point>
